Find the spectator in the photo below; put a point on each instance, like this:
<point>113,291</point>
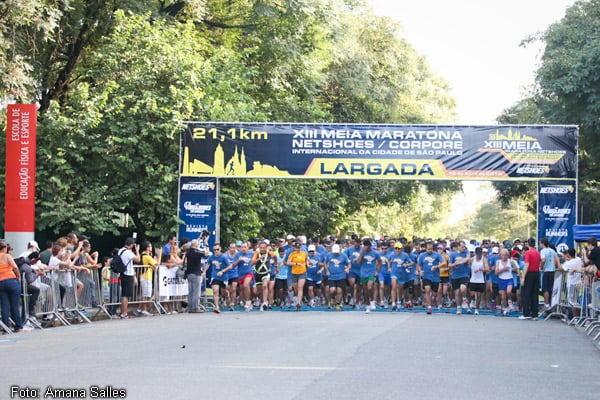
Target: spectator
<point>193,260</point>
<point>573,266</point>
<point>149,264</point>
<point>10,289</point>
<point>129,254</point>
<point>530,282</point>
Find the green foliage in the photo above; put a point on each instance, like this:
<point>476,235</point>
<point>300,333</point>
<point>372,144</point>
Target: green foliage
<point>497,221</point>
<point>567,92</point>
<point>114,80</point>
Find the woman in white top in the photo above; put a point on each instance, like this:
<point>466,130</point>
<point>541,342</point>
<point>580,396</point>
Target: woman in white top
<point>479,266</point>
<point>504,269</point>
<point>573,266</point>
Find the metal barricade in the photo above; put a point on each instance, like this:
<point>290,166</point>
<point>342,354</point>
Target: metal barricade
<point>559,303</point>
<point>90,295</point>
<point>48,307</point>
<point>5,328</point>
<point>72,290</point>
<point>144,289</point>
<point>111,291</point>
<point>594,320</point>
<point>28,295</point>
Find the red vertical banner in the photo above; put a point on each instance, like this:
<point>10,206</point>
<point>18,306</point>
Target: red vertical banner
<point>19,213</point>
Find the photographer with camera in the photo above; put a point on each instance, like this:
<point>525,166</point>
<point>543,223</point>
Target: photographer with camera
<point>129,254</point>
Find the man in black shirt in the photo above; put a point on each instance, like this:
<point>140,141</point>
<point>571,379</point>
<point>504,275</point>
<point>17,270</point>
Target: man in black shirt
<point>591,257</point>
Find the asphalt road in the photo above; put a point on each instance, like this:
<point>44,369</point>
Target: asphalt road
<point>306,355</point>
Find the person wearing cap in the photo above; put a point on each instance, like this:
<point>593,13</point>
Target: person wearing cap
<point>297,261</point>
<point>353,252</point>
<point>314,274</point>
<point>400,264</point>
<point>282,271</point>
<point>428,266</point>
<point>459,275</point>
<point>32,246</point>
<point>337,265</point>
<point>370,263</point>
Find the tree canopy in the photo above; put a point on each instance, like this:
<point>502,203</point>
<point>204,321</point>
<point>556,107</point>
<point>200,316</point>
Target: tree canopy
<point>114,80</point>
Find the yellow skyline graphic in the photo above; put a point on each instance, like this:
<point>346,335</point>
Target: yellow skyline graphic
<point>511,136</point>
<point>235,166</point>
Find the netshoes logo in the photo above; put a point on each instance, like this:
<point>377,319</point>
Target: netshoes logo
<point>559,189</point>
<point>198,186</point>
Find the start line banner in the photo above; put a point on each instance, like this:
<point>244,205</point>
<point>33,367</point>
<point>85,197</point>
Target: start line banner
<point>361,151</point>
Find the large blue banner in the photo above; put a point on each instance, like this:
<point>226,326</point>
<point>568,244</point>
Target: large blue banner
<point>557,212</point>
<point>197,207</point>
<point>359,151</point>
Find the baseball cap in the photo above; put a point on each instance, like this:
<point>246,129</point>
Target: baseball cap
<point>290,237</point>
<point>495,250</point>
<point>311,247</point>
<point>335,248</point>
<point>266,241</point>
<point>297,245</point>
<point>33,243</point>
<point>398,245</point>
<point>440,246</point>
<point>485,249</point>
<point>471,248</point>
<point>238,243</point>
<point>33,256</point>
<point>515,253</point>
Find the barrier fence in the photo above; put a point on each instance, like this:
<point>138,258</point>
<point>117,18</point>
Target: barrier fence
<point>65,297</point>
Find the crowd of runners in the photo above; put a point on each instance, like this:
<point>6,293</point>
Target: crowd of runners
<point>296,272</point>
<point>367,273</point>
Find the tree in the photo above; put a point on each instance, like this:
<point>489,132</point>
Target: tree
<point>112,145</point>
<point>567,92</point>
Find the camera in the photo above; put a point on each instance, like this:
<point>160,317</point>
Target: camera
<point>206,233</point>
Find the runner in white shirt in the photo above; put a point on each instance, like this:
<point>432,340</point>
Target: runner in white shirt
<point>504,269</point>
<point>479,266</point>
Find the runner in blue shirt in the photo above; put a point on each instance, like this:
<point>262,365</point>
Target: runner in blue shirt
<point>337,266</point>
<point>459,275</point>
<point>384,277</point>
<point>399,264</point>
<point>219,265</point>
<point>428,266</point>
<point>232,275</point>
<point>243,260</point>
<point>370,263</point>
<point>314,274</point>
<point>353,252</point>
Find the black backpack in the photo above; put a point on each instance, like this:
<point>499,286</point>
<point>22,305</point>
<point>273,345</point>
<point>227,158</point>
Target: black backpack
<point>116,263</point>
<point>19,261</point>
